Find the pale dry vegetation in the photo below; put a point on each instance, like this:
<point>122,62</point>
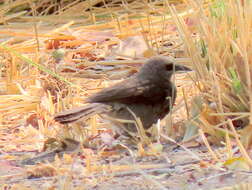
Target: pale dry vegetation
<point>53,55</point>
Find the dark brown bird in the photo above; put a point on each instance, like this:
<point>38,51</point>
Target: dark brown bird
<point>149,94</point>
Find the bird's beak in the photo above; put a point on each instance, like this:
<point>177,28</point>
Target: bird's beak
<point>181,68</point>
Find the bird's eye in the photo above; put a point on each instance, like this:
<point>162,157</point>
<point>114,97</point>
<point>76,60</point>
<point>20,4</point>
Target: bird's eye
<point>169,67</point>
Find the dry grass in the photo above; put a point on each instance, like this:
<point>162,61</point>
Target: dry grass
<point>222,59</point>
<point>53,56</point>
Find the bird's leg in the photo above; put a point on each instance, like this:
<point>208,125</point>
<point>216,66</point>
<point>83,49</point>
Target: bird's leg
<point>120,125</point>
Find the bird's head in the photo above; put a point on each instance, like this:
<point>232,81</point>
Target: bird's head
<point>163,67</point>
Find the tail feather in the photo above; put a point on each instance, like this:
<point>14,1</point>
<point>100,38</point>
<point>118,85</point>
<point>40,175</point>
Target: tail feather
<point>83,112</point>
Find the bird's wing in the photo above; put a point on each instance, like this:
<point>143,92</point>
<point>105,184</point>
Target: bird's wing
<point>121,92</point>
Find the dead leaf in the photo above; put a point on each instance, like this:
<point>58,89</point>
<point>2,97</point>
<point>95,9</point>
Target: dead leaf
<point>134,46</point>
<point>238,164</point>
<point>41,170</point>
<point>107,138</point>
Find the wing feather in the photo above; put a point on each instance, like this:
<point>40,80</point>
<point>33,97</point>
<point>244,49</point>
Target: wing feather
<point>122,92</point>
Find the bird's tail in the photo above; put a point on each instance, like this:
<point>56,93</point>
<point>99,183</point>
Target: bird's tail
<point>83,112</point>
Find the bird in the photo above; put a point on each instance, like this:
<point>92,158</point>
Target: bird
<point>148,95</point>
